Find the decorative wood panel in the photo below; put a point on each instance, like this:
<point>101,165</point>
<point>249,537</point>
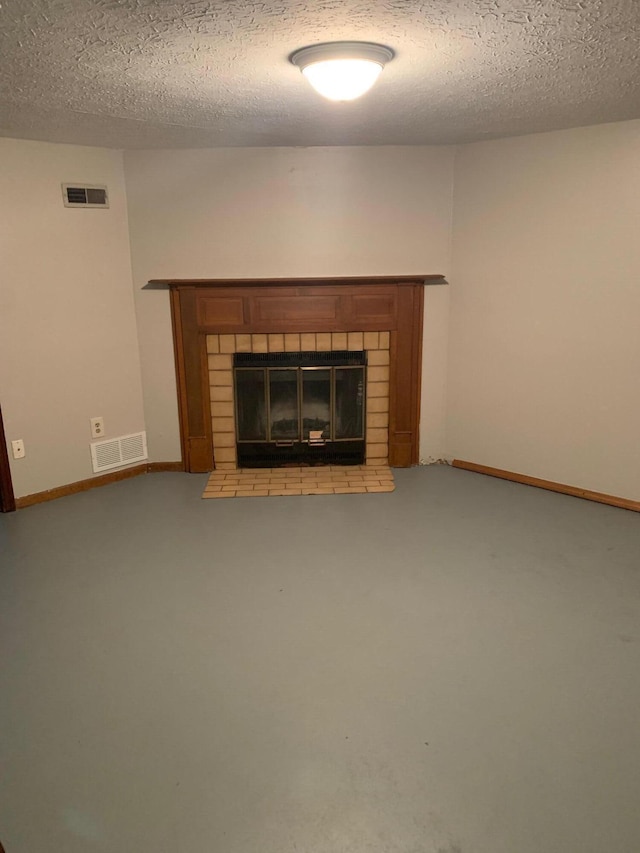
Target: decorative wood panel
<point>220,310</point>
<point>405,381</point>
<point>386,304</point>
<point>375,308</point>
<point>191,369</point>
<point>288,309</point>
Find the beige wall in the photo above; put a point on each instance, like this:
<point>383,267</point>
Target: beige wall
<point>67,323</point>
<point>542,347</point>
<point>285,212</point>
<point>545,307</point>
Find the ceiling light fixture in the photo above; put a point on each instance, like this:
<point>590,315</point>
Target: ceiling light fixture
<point>342,70</point>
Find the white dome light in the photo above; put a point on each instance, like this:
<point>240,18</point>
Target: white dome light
<point>342,71</point>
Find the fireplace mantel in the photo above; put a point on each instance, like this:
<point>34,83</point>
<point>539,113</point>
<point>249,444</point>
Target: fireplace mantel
<point>161,283</point>
<point>201,307</point>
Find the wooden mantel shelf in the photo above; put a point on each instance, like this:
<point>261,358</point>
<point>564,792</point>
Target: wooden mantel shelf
<point>300,282</point>
<point>245,307</point>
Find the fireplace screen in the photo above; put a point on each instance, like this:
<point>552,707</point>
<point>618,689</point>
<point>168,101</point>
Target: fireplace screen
<point>300,407</point>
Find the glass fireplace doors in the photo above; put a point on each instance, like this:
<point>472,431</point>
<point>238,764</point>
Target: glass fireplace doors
<point>300,408</point>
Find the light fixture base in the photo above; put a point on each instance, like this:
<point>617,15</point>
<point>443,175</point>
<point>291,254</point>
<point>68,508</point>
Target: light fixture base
<point>368,51</point>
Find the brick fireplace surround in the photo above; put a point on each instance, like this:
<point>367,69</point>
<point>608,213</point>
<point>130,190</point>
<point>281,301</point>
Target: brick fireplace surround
<point>220,349</point>
<point>214,318</point>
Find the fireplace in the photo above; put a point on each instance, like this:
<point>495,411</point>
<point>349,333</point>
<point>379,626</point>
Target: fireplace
<point>215,319</point>
<point>303,407</point>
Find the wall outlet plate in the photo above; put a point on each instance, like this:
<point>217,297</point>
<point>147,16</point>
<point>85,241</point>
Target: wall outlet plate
<point>97,427</point>
<point>17,448</point>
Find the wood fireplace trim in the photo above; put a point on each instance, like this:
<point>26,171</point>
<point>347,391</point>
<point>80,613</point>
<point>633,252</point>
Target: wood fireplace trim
<point>200,307</point>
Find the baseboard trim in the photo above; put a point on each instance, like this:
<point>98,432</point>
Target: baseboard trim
<point>574,491</point>
<point>96,482</point>
<point>159,467</point>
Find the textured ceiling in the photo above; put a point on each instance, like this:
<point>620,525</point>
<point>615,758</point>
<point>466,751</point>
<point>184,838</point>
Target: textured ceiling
<point>155,73</point>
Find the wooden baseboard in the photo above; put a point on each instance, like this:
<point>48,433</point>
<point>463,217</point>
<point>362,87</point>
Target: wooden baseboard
<point>80,486</point>
<point>158,467</point>
<point>574,491</point>
<point>96,482</point>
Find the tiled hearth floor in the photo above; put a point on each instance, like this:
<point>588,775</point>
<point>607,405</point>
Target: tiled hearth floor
<point>319,480</point>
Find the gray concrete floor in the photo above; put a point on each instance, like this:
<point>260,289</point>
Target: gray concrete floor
<point>450,668</point>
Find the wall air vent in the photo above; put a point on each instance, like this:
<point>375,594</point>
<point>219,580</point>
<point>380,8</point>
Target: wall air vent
<point>119,451</point>
<point>85,195</point>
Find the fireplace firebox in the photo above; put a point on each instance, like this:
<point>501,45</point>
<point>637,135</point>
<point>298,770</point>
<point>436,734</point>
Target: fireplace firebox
<point>300,407</point>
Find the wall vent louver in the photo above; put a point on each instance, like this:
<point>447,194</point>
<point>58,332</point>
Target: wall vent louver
<point>116,452</point>
<point>85,195</point>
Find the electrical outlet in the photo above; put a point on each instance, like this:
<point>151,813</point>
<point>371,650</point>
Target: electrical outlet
<point>97,427</point>
<point>17,448</point>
